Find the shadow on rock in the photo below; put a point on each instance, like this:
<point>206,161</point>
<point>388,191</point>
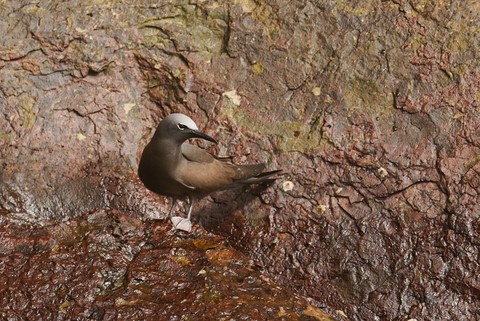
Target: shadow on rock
<point>219,215</point>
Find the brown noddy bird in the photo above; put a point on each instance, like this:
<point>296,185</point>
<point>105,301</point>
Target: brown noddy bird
<point>169,166</point>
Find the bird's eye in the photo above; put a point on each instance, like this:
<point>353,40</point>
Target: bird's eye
<point>181,126</point>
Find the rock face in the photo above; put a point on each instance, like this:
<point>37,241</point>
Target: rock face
<point>370,108</point>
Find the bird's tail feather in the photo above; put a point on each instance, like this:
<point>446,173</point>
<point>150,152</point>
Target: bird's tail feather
<point>262,178</point>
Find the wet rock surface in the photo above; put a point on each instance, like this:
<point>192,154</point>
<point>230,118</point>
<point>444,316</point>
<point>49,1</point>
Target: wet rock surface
<point>108,266</point>
<point>369,107</point>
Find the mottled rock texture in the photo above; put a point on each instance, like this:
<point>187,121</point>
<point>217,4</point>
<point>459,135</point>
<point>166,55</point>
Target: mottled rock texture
<point>370,107</point>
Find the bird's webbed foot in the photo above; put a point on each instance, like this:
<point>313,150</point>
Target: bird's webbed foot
<point>181,223</point>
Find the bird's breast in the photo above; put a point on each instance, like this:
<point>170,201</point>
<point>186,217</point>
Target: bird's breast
<point>156,173</point>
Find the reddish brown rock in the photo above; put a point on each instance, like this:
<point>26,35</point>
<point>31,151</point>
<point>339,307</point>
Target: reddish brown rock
<point>370,108</point>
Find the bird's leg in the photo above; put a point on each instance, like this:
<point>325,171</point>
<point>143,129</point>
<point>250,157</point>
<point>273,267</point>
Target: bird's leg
<point>173,207</point>
<point>190,202</point>
<point>183,224</point>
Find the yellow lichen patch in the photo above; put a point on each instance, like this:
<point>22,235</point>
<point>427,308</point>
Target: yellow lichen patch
<point>316,313</point>
<point>204,34</point>
<point>416,41</point>
<point>5,136</point>
<point>430,8</point>
<point>343,314</point>
<point>257,68</point>
<point>363,94</point>
<point>210,294</point>
<point>382,172</point>
<point>316,91</point>
<point>247,5</point>
<point>81,137</point>
<point>359,9</point>
<point>181,259</point>
<point>143,287</point>
<point>263,13</point>
<point>329,99</point>
<point>128,107</point>
<point>35,10</point>
<point>471,163</point>
<point>120,302</point>
<point>203,244</point>
<point>321,208</point>
<point>152,36</point>
<point>458,115</point>
<point>28,116</point>
<point>296,136</point>
<point>233,96</point>
<point>64,306</point>
<point>220,257</point>
<point>420,5</point>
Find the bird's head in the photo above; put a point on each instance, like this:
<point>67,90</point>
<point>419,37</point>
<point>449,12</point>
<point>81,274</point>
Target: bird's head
<point>180,128</point>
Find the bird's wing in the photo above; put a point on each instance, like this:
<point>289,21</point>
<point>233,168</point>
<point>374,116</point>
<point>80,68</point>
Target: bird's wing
<point>199,170</point>
<point>196,154</point>
<point>217,175</point>
<point>205,173</point>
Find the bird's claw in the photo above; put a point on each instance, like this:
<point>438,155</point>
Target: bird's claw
<point>180,223</point>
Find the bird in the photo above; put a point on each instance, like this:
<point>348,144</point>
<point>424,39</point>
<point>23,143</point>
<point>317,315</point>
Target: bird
<point>171,167</point>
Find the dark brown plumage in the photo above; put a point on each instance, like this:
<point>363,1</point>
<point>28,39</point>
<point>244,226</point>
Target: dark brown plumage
<point>171,167</point>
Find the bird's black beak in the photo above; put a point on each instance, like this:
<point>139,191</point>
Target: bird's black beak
<point>198,134</point>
